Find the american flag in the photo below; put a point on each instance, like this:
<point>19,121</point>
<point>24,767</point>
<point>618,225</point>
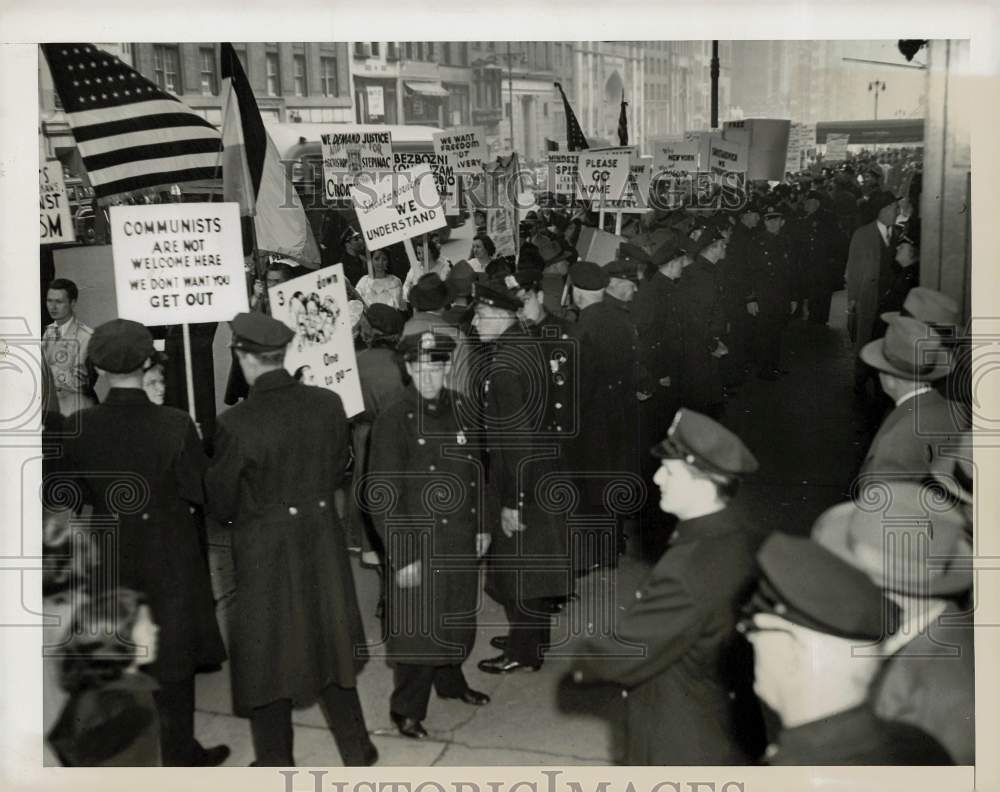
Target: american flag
<point>575,141</point>
<point>131,135</point>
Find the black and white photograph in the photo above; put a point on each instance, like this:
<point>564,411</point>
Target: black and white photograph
<point>654,432</point>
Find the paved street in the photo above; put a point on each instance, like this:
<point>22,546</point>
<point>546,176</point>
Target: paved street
<point>807,458</point>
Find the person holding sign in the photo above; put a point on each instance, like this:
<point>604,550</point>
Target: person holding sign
<point>295,626</point>
<point>381,286</point>
<point>141,465</point>
<point>420,454</point>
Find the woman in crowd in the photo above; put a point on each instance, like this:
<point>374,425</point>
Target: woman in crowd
<point>381,286</point>
<point>154,378</point>
<point>483,251</point>
<point>110,719</point>
<point>438,265</point>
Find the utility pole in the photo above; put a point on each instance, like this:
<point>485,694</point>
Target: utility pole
<point>876,87</point>
<point>510,88</point>
<point>715,84</point>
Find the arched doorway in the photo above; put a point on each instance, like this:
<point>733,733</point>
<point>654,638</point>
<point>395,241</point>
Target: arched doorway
<point>612,104</point>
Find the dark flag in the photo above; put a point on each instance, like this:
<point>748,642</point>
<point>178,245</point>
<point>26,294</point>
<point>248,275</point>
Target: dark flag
<point>253,174</point>
<point>551,145</point>
<point>623,123</point>
<point>575,141</point>
<point>131,135</point>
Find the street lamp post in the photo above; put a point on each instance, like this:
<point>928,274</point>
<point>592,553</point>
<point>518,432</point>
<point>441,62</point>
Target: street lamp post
<point>714,73</point>
<point>876,87</point>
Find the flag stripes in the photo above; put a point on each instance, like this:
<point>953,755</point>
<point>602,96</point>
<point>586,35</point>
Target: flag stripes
<point>131,135</point>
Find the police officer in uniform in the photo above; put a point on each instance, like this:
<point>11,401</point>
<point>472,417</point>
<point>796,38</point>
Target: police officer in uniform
<point>528,560</point>
<point>821,250</point>
<point>129,446</point>
<point>430,532</point>
<point>606,447</point>
<point>735,267</point>
<point>680,693</point>
<point>770,300</point>
<point>809,613</point>
<point>295,627</point>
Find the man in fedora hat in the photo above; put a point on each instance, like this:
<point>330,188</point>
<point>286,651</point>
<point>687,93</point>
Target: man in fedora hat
<point>915,547</point>
<point>909,359</point>
<point>681,693</point>
<point>810,615</point>
<point>869,274</point>
<point>295,630</point>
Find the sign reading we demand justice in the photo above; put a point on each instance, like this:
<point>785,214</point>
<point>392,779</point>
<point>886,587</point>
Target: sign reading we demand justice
<point>178,263</point>
<point>399,206</point>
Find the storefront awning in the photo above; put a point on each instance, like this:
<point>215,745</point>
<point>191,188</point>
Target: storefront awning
<point>426,88</point>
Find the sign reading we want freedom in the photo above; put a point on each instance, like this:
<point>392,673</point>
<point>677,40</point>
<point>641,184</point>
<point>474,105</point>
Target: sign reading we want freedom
<point>178,263</point>
<point>399,206</point>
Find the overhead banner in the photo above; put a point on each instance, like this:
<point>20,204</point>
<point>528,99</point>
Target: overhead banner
<point>602,176</point>
<point>564,169</point>
<point>836,148</point>
<point>315,306</point>
<point>178,263</point>
<point>54,218</point>
<point>348,154</point>
<point>398,206</point>
<point>445,177</point>
<point>465,147</point>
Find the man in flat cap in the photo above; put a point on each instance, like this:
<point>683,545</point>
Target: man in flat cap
<point>909,359</point>
<point>916,547</point>
<point>869,274</point>
<point>130,445</point>
<point>528,561</point>
<point>680,710</point>
<point>295,629</point>
<point>772,295</point>
<point>809,616</point>
<point>606,446</point>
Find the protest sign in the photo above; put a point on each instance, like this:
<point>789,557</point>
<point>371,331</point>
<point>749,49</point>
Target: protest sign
<point>602,176</point>
<point>54,218</point>
<point>348,154</point>
<point>793,156</point>
<point>727,156</point>
<point>564,172</point>
<point>465,147</point>
<point>398,206</point>
<point>836,148</point>
<point>178,263</point>
<point>445,177</point>
<point>501,216</point>
<point>636,197</point>
<point>315,306</point>
<point>676,156</point>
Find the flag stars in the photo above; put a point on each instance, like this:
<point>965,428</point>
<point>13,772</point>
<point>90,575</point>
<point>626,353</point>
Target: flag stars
<point>93,98</point>
<point>104,96</point>
<point>128,93</point>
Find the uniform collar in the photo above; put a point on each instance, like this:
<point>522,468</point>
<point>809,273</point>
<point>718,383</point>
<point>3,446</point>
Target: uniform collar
<point>127,396</point>
<point>273,380</point>
<point>842,729</point>
<point>708,525</point>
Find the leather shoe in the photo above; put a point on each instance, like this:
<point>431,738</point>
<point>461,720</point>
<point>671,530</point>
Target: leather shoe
<point>409,727</point>
<point>470,696</point>
<point>499,642</point>
<point>210,757</point>
<point>505,665</point>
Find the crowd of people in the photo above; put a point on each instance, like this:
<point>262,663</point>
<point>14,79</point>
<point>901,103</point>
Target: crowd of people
<point>502,395</point>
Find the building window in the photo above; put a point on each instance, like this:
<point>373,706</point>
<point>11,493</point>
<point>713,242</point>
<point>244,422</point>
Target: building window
<point>375,49</point>
<point>420,50</point>
<point>391,51</point>
<point>506,109</point>
<point>328,76</point>
<point>446,53</point>
<point>273,74</point>
<point>545,109</point>
<point>463,54</point>
<point>301,88</point>
<point>166,68</point>
<point>431,55</point>
<point>209,82</point>
<point>409,50</point>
